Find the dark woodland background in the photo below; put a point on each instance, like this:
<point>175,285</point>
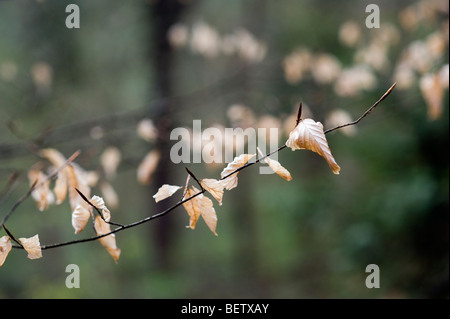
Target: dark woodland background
<point>228,63</point>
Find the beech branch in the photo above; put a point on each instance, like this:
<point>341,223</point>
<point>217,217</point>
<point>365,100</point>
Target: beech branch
<point>181,201</point>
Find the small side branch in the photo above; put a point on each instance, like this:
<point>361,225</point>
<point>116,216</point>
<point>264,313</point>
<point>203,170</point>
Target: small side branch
<point>385,95</point>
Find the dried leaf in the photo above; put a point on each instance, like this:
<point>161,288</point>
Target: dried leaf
<point>110,160</point>
<point>309,135</point>
<point>41,194</point>
<point>109,242</point>
<point>200,206</point>
<point>433,94</point>
<point>109,194</point>
<point>214,187</point>
<point>165,191</point>
<point>76,179</point>
<point>60,188</point>
<point>99,203</point>
<point>54,156</point>
<point>147,130</point>
<point>148,166</point>
<point>5,248</point>
<point>231,181</point>
<point>277,168</point>
<point>32,246</point>
<point>80,217</point>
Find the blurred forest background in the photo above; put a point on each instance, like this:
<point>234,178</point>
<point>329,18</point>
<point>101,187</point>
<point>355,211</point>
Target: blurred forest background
<point>135,70</point>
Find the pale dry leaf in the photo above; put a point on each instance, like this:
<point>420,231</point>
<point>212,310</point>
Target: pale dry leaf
<point>32,246</point>
<point>76,179</point>
<point>148,166</point>
<point>110,195</point>
<point>147,130</point>
<point>191,206</point>
<point>60,188</point>
<point>231,181</point>
<point>433,94</point>
<point>200,206</point>
<point>110,160</point>
<point>214,187</point>
<point>309,135</point>
<point>91,178</point>
<point>5,248</point>
<point>54,156</point>
<point>109,241</point>
<point>165,191</point>
<point>80,217</point>
<point>41,194</point>
<point>278,168</point>
<point>99,203</point>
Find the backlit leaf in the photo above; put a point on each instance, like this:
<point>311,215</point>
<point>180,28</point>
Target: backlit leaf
<point>165,191</point>
<point>148,166</point>
<point>277,168</point>
<point>214,187</point>
<point>110,160</point>
<point>99,203</point>
<point>80,217</point>
<point>32,246</point>
<point>309,135</point>
<point>109,241</point>
<point>5,248</point>
<point>200,206</point>
<point>231,181</point>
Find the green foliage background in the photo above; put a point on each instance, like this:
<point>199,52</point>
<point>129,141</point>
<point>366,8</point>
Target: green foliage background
<point>311,237</point>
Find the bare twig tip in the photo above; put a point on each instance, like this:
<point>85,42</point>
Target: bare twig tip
<point>299,114</point>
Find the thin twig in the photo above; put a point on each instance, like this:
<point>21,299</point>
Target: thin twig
<point>195,178</point>
<point>181,202</point>
<point>299,114</point>
<point>365,113</point>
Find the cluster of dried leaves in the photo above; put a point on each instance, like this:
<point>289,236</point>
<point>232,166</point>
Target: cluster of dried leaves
<point>71,180</point>
<point>74,183</point>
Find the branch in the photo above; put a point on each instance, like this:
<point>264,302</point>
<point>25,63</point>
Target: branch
<point>181,202</point>
<point>385,95</point>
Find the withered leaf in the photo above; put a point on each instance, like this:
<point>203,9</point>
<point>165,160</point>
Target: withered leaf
<point>200,206</point>
<point>433,94</point>
<point>231,181</point>
<point>109,194</point>
<point>165,191</point>
<point>214,187</point>
<point>80,217</point>
<point>110,160</point>
<point>148,166</point>
<point>60,188</point>
<point>32,246</point>
<point>99,203</point>
<point>109,241</point>
<point>5,248</point>
<point>76,180</point>
<point>54,156</point>
<point>309,135</point>
<point>41,194</point>
<point>277,168</point>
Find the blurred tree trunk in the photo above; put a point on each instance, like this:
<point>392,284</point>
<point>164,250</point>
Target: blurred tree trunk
<point>163,14</point>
